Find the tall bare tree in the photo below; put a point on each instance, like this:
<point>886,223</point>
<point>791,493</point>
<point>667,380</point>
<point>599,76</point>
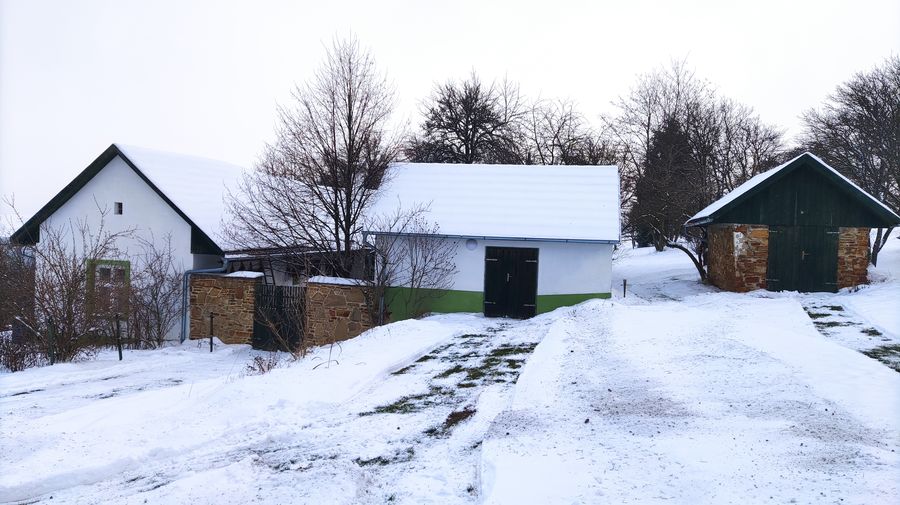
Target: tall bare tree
<point>857,131</point>
<point>470,122</point>
<point>332,150</point>
<point>412,258</point>
<point>727,142</point>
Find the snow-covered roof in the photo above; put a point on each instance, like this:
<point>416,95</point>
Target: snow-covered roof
<point>197,186</point>
<point>758,179</point>
<point>569,202</point>
<point>342,281</point>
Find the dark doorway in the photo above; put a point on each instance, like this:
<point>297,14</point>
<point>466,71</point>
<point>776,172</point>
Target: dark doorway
<point>802,258</point>
<point>510,282</point>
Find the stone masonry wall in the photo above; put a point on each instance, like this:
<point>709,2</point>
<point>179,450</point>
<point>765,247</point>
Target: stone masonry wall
<point>738,256</point>
<point>720,264</point>
<point>334,312</point>
<point>231,301</point>
<point>853,257</point>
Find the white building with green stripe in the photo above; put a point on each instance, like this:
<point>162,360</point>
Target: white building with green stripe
<point>527,239</point>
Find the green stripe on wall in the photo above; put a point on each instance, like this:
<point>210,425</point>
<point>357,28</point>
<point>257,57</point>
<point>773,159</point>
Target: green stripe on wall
<point>546,303</point>
<point>437,301</point>
<point>469,301</point>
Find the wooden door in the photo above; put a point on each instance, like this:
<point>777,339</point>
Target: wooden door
<point>510,282</point>
<point>802,258</point>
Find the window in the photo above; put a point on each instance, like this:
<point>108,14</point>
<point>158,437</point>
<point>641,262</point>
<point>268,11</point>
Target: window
<point>117,208</point>
<point>107,283</point>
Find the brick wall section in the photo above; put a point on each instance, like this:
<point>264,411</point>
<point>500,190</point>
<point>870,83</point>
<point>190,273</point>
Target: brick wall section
<point>232,302</point>
<point>334,312</point>
<point>853,257</point>
<point>738,256</point>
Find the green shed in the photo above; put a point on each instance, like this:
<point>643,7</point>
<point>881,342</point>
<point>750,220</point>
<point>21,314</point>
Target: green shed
<point>801,226</point>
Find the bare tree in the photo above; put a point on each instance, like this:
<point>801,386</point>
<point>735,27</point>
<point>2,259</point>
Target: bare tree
<point>555,133</point>
<point>154,294</point>
<point>470,122</point>
<point>857,131</point>
<point>683,146</point>
<point>410,257</point>
<point>332,151</point>
<point>70,306</point>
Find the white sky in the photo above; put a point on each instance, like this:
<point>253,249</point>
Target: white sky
<point>203,77</point>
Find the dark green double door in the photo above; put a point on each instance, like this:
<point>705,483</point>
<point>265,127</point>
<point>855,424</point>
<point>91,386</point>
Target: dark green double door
<point>510,282</point>
<point>802,258</point>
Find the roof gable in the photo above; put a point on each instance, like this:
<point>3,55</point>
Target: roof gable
<point>867,210</point>
<point>182,182</point>
<point>532,202</point>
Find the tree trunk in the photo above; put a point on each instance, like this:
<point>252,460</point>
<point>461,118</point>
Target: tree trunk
<point>881,238</point>
<point>697,264</point>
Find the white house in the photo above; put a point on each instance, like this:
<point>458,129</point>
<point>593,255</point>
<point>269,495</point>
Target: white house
<point>160,196</point>
<point>527,239</point>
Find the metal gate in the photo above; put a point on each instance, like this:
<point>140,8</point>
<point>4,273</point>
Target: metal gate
<point>278,318</point>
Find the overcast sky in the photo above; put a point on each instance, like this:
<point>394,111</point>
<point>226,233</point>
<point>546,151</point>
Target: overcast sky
<point>204,77</point>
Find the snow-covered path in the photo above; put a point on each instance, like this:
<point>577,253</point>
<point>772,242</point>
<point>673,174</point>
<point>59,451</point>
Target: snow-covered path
<point>706,401</point>
<point>676,393</point>
<point>212,434</point>
<point>399,418</point>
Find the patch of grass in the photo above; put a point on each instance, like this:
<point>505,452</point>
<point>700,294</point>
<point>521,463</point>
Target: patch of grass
<point>872,332</point>
<point>397,457</point>
<point>450,371</point>
<point>466,385</point>
<point>459,416</point>
<point>412,403</point>
<point>832,324</point>
<point>835,308</point>
<point>817,315</point>
<point>423,359</point>
<point>452,420</point>
<point>887,354</point>
<point>508,350</point>
<point>515,364</point>
<point>473,374</point>
<point>404,370</point>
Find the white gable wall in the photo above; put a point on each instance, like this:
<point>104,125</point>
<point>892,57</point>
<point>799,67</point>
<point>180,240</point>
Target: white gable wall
<point>144,211</point>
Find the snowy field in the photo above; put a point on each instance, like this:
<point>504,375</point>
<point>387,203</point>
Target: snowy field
<point>675,393</point>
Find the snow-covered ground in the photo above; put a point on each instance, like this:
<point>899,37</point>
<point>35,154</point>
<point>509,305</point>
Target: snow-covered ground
<point>674,393</point>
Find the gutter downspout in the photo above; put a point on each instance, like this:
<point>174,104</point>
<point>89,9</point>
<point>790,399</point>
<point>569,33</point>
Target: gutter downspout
<point>184,293</point>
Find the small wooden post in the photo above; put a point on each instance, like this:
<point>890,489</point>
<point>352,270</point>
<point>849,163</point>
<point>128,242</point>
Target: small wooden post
<point>210,332</point>
<point>119,336</point>
<point>624,287</point>
<point>51,341</point>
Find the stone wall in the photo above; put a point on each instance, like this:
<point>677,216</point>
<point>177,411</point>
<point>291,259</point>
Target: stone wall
<point>231,300</point>
<point>738,256</point>
<point>334,312</point>
<point>853,257</point>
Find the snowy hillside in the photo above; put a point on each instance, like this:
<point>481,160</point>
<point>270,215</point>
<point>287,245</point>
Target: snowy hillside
<point>675,393</point>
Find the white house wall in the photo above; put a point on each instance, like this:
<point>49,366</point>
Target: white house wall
<point>563,267</point>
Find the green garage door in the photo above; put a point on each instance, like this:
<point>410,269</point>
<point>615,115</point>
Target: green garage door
<point>802,258</point>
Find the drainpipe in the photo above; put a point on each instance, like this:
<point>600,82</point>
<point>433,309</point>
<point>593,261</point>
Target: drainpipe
<point>184,293</point>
